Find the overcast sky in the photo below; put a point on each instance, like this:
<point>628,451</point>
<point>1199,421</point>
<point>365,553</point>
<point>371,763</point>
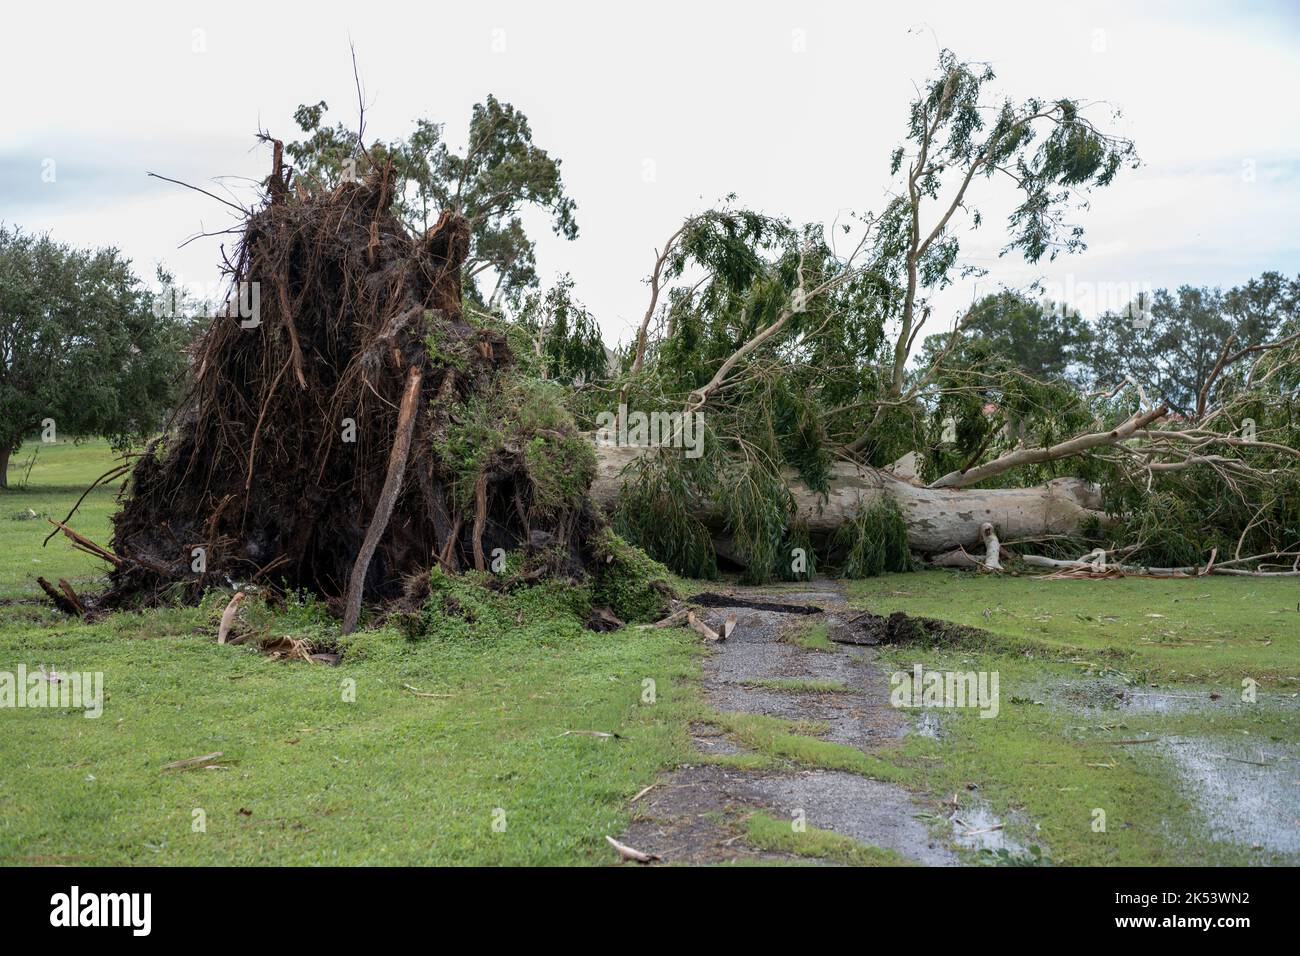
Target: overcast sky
<point>657,110</point>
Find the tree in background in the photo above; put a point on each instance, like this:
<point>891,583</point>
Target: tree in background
<point>80,344</point>
<point>1044,341</point>
<point>499,174</point>
<point>959,137</point>
<point>1178,352</point>
<point>557,338</point>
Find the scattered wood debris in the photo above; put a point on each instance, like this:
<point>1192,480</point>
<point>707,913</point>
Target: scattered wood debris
<point>64,597</point>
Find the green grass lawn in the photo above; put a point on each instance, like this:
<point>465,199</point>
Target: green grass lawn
<point>1211,629</point>
<point>308,776</point>
<point>60,473</point>
<point>454,749</point>
<point>1049,756</point>
<point>481,772</point>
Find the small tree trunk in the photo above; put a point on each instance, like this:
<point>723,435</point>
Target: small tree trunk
<point>4,466</point>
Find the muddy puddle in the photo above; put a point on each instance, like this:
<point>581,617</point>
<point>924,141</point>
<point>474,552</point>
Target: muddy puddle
<point>1086,695</point>
<point>976,827</point>
<point>1247,788</point>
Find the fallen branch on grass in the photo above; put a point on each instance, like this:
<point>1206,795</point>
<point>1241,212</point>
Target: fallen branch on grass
<point>1091,566</point>
<point>189,763</point>
<point>626,852</point>
<point>66,599</point>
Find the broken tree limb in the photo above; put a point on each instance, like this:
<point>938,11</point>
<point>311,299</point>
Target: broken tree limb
<point>228,617</point>
<point>71,595</point>
<point>1094,566</point>
<point>62,600</point>
<point>938,519</point>
<point>626,852</point>
<point>1065,449</point>
<point>82,543</point>
<point>961,558</point>
<point>387,498</point>
<point>702,629</point>
<point>992,547</point>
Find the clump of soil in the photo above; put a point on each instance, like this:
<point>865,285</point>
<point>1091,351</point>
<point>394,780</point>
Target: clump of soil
<point>898,628</point>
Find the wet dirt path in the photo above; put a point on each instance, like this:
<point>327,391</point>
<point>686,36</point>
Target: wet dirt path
<point>697,813</point>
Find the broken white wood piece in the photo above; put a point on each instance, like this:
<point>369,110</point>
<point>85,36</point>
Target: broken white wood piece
<point>228,617</point>
<point>706,632</point>
<point>626,852</point>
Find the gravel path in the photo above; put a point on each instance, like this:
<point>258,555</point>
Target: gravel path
<point>693,813</point>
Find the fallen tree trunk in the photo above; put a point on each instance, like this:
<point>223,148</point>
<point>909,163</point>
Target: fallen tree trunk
<point>938,519</point>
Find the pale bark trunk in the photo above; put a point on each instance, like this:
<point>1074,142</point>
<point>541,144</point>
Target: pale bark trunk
<point>938,519</point>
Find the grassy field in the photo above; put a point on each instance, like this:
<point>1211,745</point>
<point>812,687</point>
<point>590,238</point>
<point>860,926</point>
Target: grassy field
<point>456,751</point>
<point>61,472</point>
<point>1086,669</point>
<point>1212,629</point>
<point>311,773</point>
<point>320,764</point>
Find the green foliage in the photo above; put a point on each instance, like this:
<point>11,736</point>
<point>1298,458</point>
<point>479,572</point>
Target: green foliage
<point>519,415</point>
<point>627,581</point>
<point>1187,332</point>
<point>562,338</point>
<point>874,542</point>
<point>654,513</point>
<point>473,606</point>
<point>81,344</point>
<point>986,407</point>
<point>757,507</point>
<point>1049,343</point>
<point>499,173</point>
<point>466,607</point>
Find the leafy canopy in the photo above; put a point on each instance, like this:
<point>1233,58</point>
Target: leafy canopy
<point>80,343</point>
<point>499,173</point>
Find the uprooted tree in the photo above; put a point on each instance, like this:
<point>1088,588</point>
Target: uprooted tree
<point>347,428</point>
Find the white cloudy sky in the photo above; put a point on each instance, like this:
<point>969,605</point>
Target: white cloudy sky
<point>716,96</point>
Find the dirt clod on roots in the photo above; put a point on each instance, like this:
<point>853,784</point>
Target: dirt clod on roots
<point>279,461</point>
